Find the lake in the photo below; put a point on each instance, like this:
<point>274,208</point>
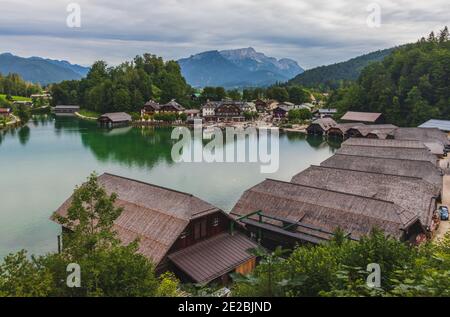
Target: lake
<point>42,162</point>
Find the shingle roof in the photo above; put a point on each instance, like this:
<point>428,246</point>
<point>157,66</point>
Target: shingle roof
<point>210,259</point>
<point>389,152</point>
<point>422,169</point>
<point>324,123</point>
<point>154,214</point>
<point>413,144</point>
<point>410,193</point>
<point>422,134</point>
<point>325,209</point>
<point>361,116</point>
<point>116,116</point>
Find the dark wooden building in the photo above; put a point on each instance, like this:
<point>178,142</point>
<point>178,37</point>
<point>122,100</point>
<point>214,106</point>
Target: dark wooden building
<point>261,106</point>
<point>172,107</point>
<point>150,108</point>
<point>229,111</point>
<point>5,112</point>
<point>177,231</point>
<point>321,126</point>
<point>114,119</point>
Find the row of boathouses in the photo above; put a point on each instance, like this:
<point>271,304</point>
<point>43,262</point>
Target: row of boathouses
<point>394,185</point>
<point>390,184</point>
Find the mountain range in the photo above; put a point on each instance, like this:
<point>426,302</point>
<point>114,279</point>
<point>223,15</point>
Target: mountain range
<point>40,70</point>
<point>237,68</point>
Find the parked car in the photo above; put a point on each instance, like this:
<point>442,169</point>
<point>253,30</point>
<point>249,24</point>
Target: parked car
<point>443,211</point>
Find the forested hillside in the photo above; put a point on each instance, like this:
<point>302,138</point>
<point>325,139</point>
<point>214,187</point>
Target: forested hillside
<point>125,87</point>
<point>410,86</point>
<point>336,75</point>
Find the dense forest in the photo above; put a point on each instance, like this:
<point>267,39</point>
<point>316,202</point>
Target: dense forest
<point>410,86</point>
<point>125,87</point>
<point>339,74</point>
<point>14,85</point>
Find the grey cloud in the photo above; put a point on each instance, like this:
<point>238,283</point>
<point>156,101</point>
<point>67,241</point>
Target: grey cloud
<point>312,32</point>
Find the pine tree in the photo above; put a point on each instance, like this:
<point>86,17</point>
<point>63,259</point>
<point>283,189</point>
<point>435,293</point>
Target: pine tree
<point>443,36</point>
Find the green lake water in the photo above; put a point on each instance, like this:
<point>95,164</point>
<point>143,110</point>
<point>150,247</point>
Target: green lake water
<point>42,162</point>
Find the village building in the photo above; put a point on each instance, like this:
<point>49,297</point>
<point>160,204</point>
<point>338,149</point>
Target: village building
<point>229,111</point>
<point>209,109</point>
<point>5,112</point>
<point>150,108</point>
<point>285,214</point>
<point>281,111</point>
<point>177,231</point>
<point>321,126</point>
<point>45,96</point>
<point>172,107</point>
<point>114,119</point>
<point>25,103</point>
<point>261,106</point>
<point>325,113</point>
<point>365,117</point>
<point>66,109</point>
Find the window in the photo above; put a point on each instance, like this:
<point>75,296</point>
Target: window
<point>200,230</point>
<point>215,222</point>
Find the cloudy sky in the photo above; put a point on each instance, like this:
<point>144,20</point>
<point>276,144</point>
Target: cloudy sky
<point>313,32</point>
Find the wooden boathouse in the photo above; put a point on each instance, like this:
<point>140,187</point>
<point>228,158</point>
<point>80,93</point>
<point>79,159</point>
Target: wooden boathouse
<point>114,119</point>
<point>178,231</point>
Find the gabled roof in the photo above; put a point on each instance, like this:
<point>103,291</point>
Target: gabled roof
<point>324,123</point>
<point>377,129</point>
<point>116,116</point>
<point>412,144</point>
<point>403,167</point>
<point>210,259</point>
<point>389,152</point>
<point>422,134</point>
<point>154,214</point>
<point>174,104</point>
<point>325,209</point>
<point>361,116</point>
<point>410,193</point>
<point>152,104</point>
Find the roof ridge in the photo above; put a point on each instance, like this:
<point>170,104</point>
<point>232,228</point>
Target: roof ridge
<point>149,184</point>
<point>369,172</point>
<point>333,191</point>
<point>348,211</point>
<point>383,158</point>
<point>389,147</point>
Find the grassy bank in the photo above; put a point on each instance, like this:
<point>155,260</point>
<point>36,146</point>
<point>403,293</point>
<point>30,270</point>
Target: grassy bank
<point>15,98</point>
<point>89,114</point>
